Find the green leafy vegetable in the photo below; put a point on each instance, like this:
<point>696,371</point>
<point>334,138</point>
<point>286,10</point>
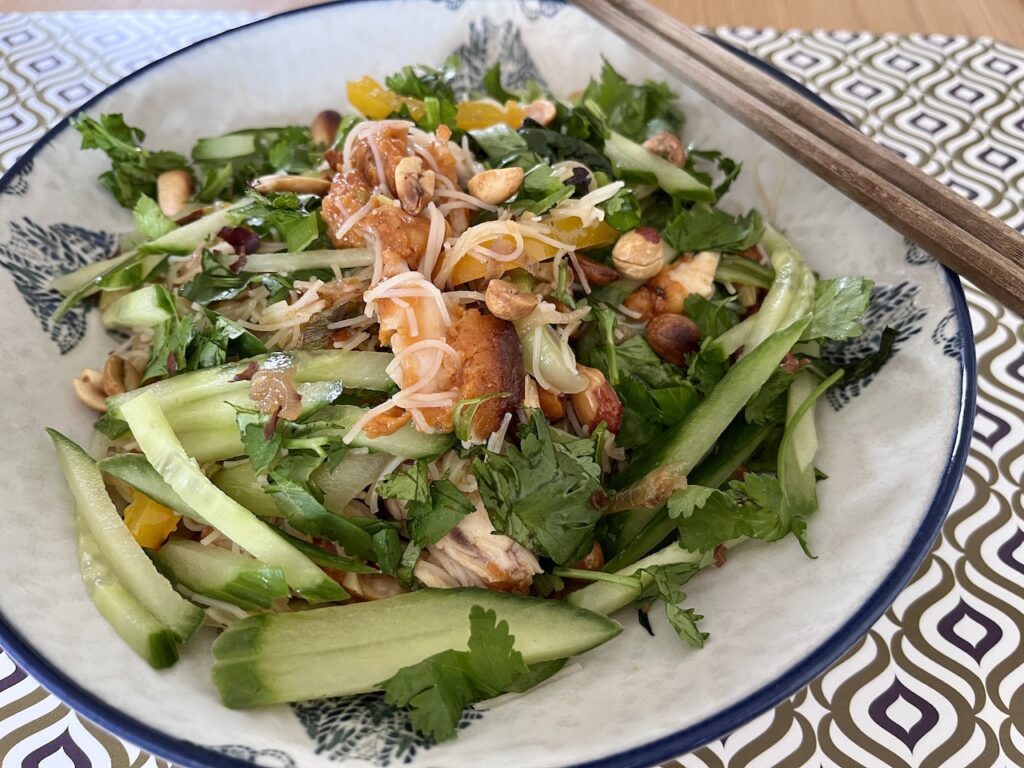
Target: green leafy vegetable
<point>540,494</point>
<point>297,221</point>
<point>622,212</point>
<point>707,517</point>
<point>729,168</point>
<point>150,220</point>
<point>541,190</point>
<point>432,508</point>
<point>703,228</point>
<point>664,582</point>
<point>839,304</point>
<point>133,169</point>
<point>492,84</point>
<point>438,689</point>
<point>434,88</point>
<point>553,146</point>
<point>635,111</point>
<point>712,317</point>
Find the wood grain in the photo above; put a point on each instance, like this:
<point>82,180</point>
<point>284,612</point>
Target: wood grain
<point>1000,19</point>
<point>958,233</point>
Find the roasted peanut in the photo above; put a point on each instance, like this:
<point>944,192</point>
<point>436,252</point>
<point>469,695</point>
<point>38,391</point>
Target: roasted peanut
<point>504,300</point>
<point>173,189</point>
<point>89,388</point>
<point>552,405</point>
<point>673,337</point>
<point>415,186</point>
<point>119,376</point>
<point>598,402</point>
<point>597,274</point>
<point>325,127</point>
<point>496,185</point>
<point>639,254</point>
<point>541,111</point>
<point>667,147</point>
<point>300,185</point>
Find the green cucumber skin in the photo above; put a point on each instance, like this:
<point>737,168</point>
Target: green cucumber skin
<point>126,558</point>
<point>352,475</point>
<point>341,650</point>
<point>222,574</point>
<point>158,442</point>
<point>136,471</point>
<point>360,370</point>
<point>694,437</point>
<point>143,308</point>
<point>284,263</point>
<point>240,483</point>
<point>407,442</point>
<point>126,615</point>
<point>628,156</point>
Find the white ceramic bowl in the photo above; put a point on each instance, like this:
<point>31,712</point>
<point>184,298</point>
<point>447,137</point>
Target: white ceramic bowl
<point>893,448</point>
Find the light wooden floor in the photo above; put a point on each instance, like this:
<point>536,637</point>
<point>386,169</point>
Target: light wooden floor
<point>1001,19</point>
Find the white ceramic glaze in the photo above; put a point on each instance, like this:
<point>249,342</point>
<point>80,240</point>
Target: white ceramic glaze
<point>774,615</point>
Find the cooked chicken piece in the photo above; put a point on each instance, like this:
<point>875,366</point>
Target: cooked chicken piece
<point>492,362</point>
<point>390,146</point>
<point>402,237</point>
<point>473,555</point>
<point>666,292</point>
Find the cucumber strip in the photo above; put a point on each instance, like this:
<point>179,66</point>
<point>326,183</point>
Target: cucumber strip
<point>216,412</point>
<point>786,300</point>
<point>137,626</point>
<point>158,442</point>
<point>743,271</point>
<point>226,147</point>
<point>345,258</point>
<point>407,442</point>
<point>239,482</point>
<point>325,559</point>
<point>358,370</point>
<point>692,438</point>
<point>183,240</point>
<point>221,574</point>
<point>604,597</point>
<point>628,156</point>
<point>135,470</point>
<point>142,308</point>
<point>212,444</point>
<point>341,650</point>
<point>115,541</point>
<point>349,478</point>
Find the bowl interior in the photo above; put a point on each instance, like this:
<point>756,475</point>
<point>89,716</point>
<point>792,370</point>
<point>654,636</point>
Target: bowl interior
<point>889,446</point>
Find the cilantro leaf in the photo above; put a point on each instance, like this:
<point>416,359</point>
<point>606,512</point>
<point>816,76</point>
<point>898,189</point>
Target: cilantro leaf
<point>492,84</point>
<point>432,508</point>
<point>713,318</point>
<point>751,507</point>
<point>432,86</point>
<point>149,219</point>
<point>501,144</point>
<point>296,221</point>
<point>553,146</point>
<point>541,190</point>
<point>438,689</point>
<point>769,402</point>
<point>540,494</point>
<point>133,169</point>
<point>703,228</point>
<point>729,168</point>
<point>664,582</point>
<point>635,111</point>
<point>839,304</point>
<point>622,211</point>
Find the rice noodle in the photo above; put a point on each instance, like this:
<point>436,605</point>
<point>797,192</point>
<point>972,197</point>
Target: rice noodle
<point>495,441</point>
<point>352,220</point>
<point>353,342</point>
<point>435,240</point>
<point>467,198</point>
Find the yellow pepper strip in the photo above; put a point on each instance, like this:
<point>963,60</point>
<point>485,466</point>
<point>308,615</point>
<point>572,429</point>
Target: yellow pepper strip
<point>377,102</point>
<point>568,230</point>
<point>149,522</point>
<point>472,115</point>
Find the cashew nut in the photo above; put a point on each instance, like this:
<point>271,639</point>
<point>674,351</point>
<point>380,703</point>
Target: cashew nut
<point>673,337</point>
<point>541,111</point>
<point>173,189</point>
<point>667,147</point>
<point>300,185</point>
<point>414,186</point>
<point>325,127</point>
<point>639,254</point>
<point>504,300</point>
<point>496,185</point>
<point>89,388</point>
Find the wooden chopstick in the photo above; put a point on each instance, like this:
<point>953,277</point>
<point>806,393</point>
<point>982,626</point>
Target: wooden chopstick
<point>958,233</point>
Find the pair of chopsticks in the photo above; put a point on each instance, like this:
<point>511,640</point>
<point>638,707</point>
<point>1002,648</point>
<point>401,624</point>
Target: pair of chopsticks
<point>958,233</point>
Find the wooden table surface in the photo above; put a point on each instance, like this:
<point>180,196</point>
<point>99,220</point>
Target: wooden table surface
<point>1001,19</point>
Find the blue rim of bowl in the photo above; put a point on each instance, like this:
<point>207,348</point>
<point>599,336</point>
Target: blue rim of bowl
<point>716,726</point>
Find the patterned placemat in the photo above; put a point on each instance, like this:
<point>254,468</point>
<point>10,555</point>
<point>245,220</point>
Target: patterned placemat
<point>939,680</point>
